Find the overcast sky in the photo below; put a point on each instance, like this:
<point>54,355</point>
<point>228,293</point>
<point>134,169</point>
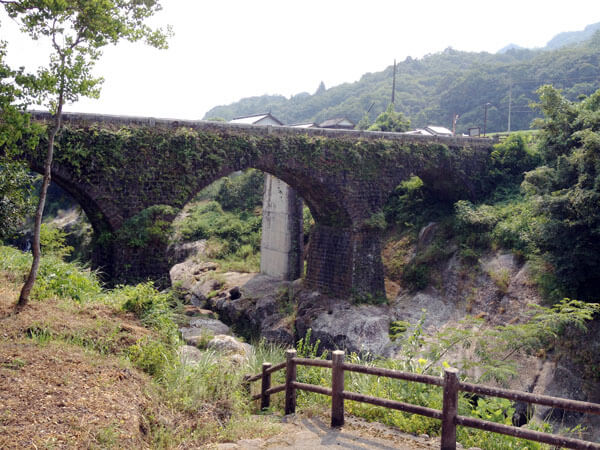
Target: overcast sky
<point>224,50</point>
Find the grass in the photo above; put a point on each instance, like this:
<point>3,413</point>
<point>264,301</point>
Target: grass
<point>112,354</point>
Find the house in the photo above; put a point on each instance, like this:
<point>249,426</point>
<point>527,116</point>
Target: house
<point>340,123</point>
<point>304,125</point>
<point>258,119</point>
<point>431,130</point>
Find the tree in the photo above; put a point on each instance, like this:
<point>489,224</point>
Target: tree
<point>364,123</point>
<point>390,120</point>
<point>321,89</point>
<point>77,30</point>
<point>15,183</point>
<point>567,191</point>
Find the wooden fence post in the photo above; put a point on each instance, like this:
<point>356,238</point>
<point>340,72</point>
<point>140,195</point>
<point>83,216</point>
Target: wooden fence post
<point>290,376</point>
<point>449,409</point>
<point>265,400</point>
<point>337,388</point>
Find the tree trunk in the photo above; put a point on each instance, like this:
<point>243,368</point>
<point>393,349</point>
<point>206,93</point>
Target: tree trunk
<point>26,289</point>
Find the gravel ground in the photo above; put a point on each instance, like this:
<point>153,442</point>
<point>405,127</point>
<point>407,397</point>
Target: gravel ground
<point>314,433</point>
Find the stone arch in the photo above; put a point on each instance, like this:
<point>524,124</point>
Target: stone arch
<point>97,214</point>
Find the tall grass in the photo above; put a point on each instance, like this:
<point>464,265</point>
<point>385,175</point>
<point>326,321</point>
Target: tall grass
<point>56,278</point>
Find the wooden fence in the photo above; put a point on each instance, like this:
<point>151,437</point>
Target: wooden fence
<point>448,415</point>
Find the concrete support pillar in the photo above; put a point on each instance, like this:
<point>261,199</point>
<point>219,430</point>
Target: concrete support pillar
<point>342,261</point>
<point>282,237</point>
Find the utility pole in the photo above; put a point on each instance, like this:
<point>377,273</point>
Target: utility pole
<point>509,102</point>
<point>485,118</point>
<point>394,84</point>
<point>454,119</point>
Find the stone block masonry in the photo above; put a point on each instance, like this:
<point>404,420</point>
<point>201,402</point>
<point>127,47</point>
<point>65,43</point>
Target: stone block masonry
<point>131,175</point>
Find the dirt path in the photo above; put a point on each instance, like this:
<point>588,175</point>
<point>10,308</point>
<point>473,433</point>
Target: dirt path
<point>306,433</point>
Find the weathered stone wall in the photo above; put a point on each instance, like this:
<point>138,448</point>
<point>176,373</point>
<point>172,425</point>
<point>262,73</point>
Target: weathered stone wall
<point>342,260</point>
<point>131,175</point>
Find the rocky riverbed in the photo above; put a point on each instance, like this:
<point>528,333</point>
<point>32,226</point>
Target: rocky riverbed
<point>498,290</point>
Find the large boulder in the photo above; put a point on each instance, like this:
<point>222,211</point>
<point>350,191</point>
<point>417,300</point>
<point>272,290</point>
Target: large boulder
<point>230,345</point>
<point>189,354</point>
<point>186,274</point>
<point>340,325</point>
<point>180,251</point>
<point>429,304</point>
<point>201,329</point>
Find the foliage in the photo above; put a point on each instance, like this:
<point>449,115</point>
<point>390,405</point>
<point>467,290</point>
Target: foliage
<point>390,120</point>
<point>230,234</point>
<point>152,226</point>
<point>16,201</point>
<point>510,159</point>
<point>56,277</point>
<point>567,190</point>
<point>243,192</point>
<point>405,201</point>
<point>54,241</point>
<point>375,222</point>
<point>16,196</point>
<point>364,123</point>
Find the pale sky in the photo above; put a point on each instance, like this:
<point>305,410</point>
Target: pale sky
<point>224,50</point>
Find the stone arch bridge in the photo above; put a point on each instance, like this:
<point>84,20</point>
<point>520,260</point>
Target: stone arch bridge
<point>132,175</point>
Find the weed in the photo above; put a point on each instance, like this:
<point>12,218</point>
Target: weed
<point>107,437</point>
<point>14,364</point>
<point>501,278</point>
<point>397,329</point>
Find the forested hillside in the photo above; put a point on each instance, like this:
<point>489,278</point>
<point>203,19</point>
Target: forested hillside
<point>431,89</point>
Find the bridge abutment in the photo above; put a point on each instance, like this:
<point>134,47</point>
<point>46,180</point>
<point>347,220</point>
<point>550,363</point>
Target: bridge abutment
<point>343,261</point>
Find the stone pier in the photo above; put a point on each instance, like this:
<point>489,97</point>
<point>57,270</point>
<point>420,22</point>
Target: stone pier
<point>282,238</point>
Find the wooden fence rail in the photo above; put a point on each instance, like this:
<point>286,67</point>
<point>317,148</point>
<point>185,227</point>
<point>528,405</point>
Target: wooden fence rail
<point>448,415</point>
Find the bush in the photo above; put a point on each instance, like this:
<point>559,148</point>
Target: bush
<point>152,356</point>
<point>151,306</point>
<point>53,241</point>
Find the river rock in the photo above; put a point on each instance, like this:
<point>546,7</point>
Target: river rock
<point>354,328</point>
<point>229,344</point>
<point>430,304</point>
<point>202,328</point>
<point>189,354</point>
<point>187,250</point>
<point>202,289</point>
<point>186,274</point>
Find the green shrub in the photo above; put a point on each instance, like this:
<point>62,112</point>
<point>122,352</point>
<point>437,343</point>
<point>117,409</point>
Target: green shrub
<point>234,235</point>
<point>53,241</point>
<point>151,306</point>
<point>152,226</point>
<point>152,356</point>
<point>416,276</point>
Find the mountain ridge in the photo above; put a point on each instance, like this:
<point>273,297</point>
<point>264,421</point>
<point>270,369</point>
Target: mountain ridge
<point>432,89</point>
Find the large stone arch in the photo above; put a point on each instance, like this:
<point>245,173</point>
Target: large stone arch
<point>130,170</point>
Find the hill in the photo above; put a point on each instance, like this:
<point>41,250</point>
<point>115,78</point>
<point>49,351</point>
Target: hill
<point>572,37</point>
<point>431,89</point>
